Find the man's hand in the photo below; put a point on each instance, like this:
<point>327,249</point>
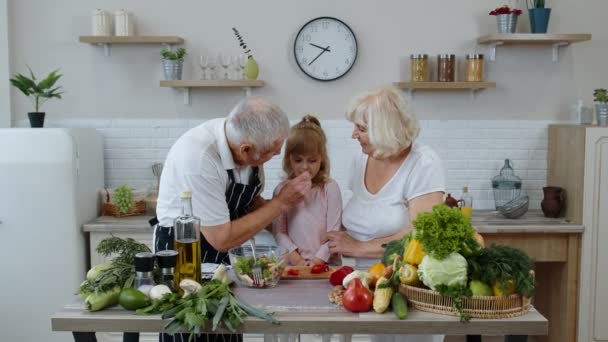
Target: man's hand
<point>294,191</point>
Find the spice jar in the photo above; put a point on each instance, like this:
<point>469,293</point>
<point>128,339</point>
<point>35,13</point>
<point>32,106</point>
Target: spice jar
<point>446,65</point>
<point>419,68</point>
<point>474,68</point>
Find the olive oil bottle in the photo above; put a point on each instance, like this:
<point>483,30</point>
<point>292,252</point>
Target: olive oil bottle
<point>187,243</point>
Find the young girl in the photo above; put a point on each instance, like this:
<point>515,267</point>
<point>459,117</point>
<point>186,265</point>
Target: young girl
<point>302,229</point>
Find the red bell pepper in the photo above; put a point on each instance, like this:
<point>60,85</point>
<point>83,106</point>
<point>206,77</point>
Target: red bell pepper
<point>321,268</point>
<point>293,272</point>
<point>338,276</point>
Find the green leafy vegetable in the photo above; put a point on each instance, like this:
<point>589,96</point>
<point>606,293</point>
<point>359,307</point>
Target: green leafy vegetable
<point>450,271</point>
<point>443,231</point>
<point>457,292</point>
<point>123,198</point>
<point>395,248</point>
<point>503,264</point>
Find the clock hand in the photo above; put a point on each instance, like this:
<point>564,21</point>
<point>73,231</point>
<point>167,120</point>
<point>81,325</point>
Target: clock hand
<point>319,55</point>
<point>320,47</point>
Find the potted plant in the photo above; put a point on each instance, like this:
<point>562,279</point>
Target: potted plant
<point>506,18</point>
<point>38,92</point>
<point>539,15</point>
<point>251,67</point>
<point>173,62</point>
<point>600,96</point>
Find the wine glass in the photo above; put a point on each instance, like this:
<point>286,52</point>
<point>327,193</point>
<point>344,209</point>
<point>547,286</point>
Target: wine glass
<point>212,65</point>
<point>225,63</point>
<point>203,62</point>
<point>237,67</point>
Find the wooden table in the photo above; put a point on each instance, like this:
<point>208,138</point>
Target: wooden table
<point>554,244</point>
<point>302,307</point>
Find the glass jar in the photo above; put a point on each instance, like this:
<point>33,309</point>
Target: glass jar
<point>446,67</point>
<point>419,68</point>
<point>474,68</point>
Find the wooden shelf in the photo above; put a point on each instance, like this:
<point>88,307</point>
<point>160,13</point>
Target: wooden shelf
<point>131,40</point>
<point>186,85</point>
<point>471,86</point>
<point>555,40</point>
<point>107,41</point>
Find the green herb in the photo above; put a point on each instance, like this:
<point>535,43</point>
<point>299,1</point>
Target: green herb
<point>173,55</point>
<point>395,248</point>
<point>504,264</point>
<point>443,231</point>
<point>600,95</point>
<point>40,92</point>
<point>214,303</point>
<point>121,272</point>
<point>457,292</point>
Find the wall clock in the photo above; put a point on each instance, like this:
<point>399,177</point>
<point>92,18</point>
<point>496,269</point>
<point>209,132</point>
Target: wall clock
<point>325,48</point>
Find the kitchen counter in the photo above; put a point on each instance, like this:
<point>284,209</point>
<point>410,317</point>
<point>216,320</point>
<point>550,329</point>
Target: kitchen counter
<point>554,245</point>
<point>311,316</point>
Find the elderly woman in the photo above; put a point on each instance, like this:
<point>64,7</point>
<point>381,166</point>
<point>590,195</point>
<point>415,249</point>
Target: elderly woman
<point>393,180</point>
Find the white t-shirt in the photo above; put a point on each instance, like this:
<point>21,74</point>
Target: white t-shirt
<point>370,216</point>
<point>198,161</point>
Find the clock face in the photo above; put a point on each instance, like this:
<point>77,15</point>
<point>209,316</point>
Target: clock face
<point>325,48</point>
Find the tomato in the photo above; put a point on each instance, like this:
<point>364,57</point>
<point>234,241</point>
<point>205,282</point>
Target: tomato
<point>357,298</point>
<point>322,268</point>
<point>293,272</point>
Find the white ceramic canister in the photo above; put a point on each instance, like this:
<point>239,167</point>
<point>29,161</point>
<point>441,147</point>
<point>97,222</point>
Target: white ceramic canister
<point>123,23</point>
<point>101,23</point>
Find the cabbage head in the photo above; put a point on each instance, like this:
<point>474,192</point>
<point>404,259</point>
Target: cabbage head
<point>450,271</point>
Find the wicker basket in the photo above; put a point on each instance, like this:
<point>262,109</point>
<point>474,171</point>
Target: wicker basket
<point>109,209</point>
<point>476,306</point>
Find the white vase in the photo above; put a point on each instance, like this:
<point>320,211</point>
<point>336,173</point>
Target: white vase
<point>101,23</point>
<point>123,23</point>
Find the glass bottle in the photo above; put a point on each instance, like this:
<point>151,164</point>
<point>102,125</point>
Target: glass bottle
<point>506,185</point>
<point>467,202</point>
<point>167,260</point>
<point>187,242</point>
<point>446,68</point>
<point>144,265</point>
<point>474,68</point>
<point>419,68</point>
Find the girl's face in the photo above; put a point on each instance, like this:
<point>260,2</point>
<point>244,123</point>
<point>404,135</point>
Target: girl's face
<point>300,163</point>
<point>360,133</point>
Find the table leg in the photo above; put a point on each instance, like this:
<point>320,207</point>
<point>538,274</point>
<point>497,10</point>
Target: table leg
<point>516,338</point>
<point>473,338</point>
<point>84,336</point>
<point>130,337</point>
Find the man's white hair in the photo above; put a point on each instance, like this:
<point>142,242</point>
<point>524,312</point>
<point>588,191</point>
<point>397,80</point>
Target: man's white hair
<point>258,122</point>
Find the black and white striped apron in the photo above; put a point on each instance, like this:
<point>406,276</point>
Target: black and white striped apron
<point>240,198</point>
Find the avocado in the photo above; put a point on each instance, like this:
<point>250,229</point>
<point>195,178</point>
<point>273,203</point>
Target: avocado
<point>133,299</point>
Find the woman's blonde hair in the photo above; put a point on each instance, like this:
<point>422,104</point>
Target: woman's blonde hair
<point>307,138</point>
<point>391,125</point>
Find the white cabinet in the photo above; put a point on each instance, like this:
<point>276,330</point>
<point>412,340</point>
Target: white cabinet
<point>578,161</point>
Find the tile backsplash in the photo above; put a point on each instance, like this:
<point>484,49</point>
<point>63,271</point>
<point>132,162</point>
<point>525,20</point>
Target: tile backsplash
<point>473,151</point>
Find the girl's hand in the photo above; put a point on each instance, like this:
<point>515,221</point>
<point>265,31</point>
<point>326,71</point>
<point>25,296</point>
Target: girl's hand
<point>317,261</point>
<point>296,259</point>
<point>341,243</point>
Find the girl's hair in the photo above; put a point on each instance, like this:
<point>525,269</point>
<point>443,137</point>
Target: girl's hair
<point>391,124</point>
<point>307,138</point>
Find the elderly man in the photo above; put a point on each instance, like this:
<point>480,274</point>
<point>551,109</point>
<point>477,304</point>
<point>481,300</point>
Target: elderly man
<point>220,161</point>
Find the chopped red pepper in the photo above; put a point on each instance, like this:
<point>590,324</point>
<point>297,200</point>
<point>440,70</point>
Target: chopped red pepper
<point>293,272</point>
<point>321,268</point>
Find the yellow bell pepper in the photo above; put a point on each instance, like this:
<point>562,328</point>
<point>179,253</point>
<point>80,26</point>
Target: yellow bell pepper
<point>413,253</point>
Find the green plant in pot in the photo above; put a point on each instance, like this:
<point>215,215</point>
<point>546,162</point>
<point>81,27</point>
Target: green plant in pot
<point>38,92</point>
<point>173,62</point>
<point>600,96</point>
<point>251,67</point>
<point>539,16</point>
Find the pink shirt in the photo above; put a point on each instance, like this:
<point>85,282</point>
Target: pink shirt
<point>304,226</point>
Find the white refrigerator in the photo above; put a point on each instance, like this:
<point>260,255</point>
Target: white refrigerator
<point>49,186</point>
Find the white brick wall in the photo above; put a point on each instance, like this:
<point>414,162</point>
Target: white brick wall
<point>473,151</point>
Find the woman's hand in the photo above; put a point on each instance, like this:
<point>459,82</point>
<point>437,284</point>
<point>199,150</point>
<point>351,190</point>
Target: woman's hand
<point>295,259</point>
<point>341,243</point>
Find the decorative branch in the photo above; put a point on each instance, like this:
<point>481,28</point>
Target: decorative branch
<point>242,43</point>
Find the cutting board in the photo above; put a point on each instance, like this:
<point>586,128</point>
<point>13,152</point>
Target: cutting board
<point>304,273</point>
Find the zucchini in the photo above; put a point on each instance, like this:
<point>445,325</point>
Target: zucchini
<point>399,305</point>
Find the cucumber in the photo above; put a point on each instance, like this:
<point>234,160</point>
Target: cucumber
<point>399,305</point>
